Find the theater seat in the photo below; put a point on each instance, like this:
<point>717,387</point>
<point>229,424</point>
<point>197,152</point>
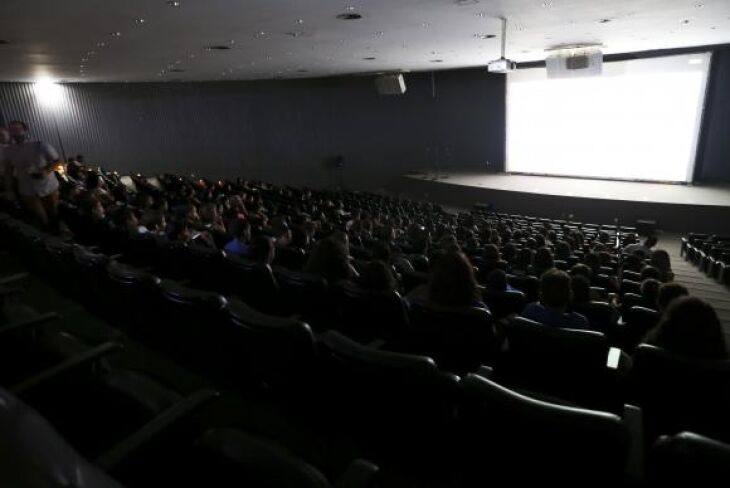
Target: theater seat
<point>529,285</point>
<point>33,454</point>
<point>394,402</point>
<point>688,459</point>
<point>366,315</point>
<point>230,457</point>
<point>306,295</point>
<point>505,435</point>
<point>252,282</point>
<point>458,339</point>
<point>565,363</point>
<point>638,321</point>
<point>679,393</point>
<point>504,303</point>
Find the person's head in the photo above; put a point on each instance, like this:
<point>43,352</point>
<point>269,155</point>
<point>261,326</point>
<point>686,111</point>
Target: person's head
<point>562,250</point>
<point>496,280</point>
<point>329,259</point>
<point>544,259</point>
<point>660,260</point>
<point>452,282</point>
<point>555,290</point>
<point>126,220</point>
<point>581,270</point>
<point>240,229</point>
<point>300,237</point>
<point>581,287</point>
<point>4,136</point>
<point>650,291</point>
<point>690,327</point>
<point>18,131</point>
<point>90,205</point>
<point>93,181</point>
<point>491,254</point>
<point>634,262</point>
<point>208,213</point>
<point>382,252</point>
<point>650,272</point>
<point>509,252</point>
<point>377,275</point>
<point>154,220</point>
<point>524,258</point>
<point>593,261</point>
<point>650,242</point>
<point>668,292</point>
<point>261,249</point>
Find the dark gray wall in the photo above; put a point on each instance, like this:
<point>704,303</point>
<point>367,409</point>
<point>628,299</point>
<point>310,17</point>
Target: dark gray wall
<point>713,163</point>
<point>280,131</point>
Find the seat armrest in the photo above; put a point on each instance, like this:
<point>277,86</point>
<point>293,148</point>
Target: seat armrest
<point>41,319</point>
<point>485,371</point>
<point>155,428</point>
<point>634,420</point>
<point>359,474</point>
<point>65,367</point>
<point>6,280</point>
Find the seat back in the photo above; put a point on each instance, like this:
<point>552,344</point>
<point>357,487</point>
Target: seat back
<point>566,363</point>
<point>293,258</point>
<point>458,339</point>
<point>365,315</point>
<point>273,351</point>
<point>204,266</point>
<point>304,294</point>
<point>529,285</point>
<point>252,282</point>
<point>601,316</point>
<point>532,440</point>
<point>679,393</point>
<point>687,459</point>
<point>638,321</point>
<point>504,303</point>
<point>630,286</point>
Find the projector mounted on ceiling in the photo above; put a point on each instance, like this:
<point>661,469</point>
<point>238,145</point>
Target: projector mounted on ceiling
<point>577,61</point>
<point>502,65</point>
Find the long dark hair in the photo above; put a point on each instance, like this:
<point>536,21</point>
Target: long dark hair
<point>452,281</point>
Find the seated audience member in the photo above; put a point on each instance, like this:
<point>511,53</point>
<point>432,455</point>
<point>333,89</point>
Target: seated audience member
<point>452,282</point>
<point>581,270</point>
<point>262,249</point>
<point>281,232</point>
<point>581,289</point>
<point>496,280</point>
<point>241,232</point>
<point>491,260</point>
<point>300,237</point>
<point>543,261</point>
<point>644,249</point>
<point>593,261</point>
<point>154,221</point>
<point>555,297</point>
<point>660,260</point>
<point>523,262</point>
<point>125,220</point>
<point>650,272</point>
<point>329,258</point>
<point>210,219</point>
<point>377,276</point>
<point>633,262</point>
<point>650,292</point>
<point>562,251</point>
<point>509,252</point>
<point>668,292</point>
<point>690,327</point>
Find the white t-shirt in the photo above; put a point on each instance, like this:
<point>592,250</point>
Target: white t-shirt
<point>28,158</point>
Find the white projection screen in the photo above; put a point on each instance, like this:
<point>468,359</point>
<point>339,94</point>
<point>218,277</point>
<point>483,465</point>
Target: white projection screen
<point>640,120</point>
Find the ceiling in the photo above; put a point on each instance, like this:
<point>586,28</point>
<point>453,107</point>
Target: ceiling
<point>159,40</point>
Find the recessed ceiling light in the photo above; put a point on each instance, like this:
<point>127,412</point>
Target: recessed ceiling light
<point>369,58</point>
<point>349,16</point>
<point>604,21</point>
<point>380,33</point>
<point>84,59</point>
<point>437,60</point>
<point>218,47</point>
<point>485,36</point>
<point>685,22</point>
<point>547,4</point>
<point>481,14</point>
<point>100,44</point>
<point>350,8</point>
<point>139,21</point>
<point>300,21</point>
<point>173,3</point>
<point>191,55</point>
<point>425,24</point>
<point>115,34</point>
<point>259,34</point>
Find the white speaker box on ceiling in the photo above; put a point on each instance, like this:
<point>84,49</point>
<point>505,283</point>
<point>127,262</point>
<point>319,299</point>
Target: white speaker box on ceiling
<point>393,84</point>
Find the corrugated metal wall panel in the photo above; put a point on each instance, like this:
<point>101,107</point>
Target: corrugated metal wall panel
<point>279,131</point>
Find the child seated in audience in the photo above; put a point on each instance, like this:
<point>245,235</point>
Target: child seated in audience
<point>660,261</point>
<point>555,297</point>
<point>690,327</point>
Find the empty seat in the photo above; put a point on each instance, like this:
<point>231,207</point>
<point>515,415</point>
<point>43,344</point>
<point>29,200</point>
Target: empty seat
<point>290,257</point>
<point>504,303</point>
<point>566,363</point>
<point>528,440</point>
<point>252,282</point>
<point>679,393</point>
<point>304,294</point>
<point>458,339</point>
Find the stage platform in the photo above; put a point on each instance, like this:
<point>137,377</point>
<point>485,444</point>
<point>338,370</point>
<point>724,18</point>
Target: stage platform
<point>675,207</point>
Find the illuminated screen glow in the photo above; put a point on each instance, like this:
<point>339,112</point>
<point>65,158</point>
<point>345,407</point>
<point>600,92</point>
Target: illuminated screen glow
<point>640,120</point>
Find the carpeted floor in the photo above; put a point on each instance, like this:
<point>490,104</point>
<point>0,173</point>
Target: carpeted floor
<point>698,283</point>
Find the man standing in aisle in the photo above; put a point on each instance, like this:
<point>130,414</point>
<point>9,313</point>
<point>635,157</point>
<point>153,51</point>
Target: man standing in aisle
<point>31,164</point>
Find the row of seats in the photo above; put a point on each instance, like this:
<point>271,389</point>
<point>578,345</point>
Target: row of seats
<point>710,254</point>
